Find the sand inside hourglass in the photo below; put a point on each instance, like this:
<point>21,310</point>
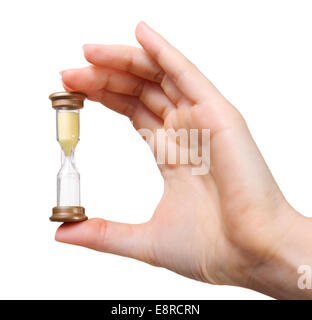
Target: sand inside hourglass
<point>68,130</point>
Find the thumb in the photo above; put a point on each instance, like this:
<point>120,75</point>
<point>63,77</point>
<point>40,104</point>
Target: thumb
<point>129,240</point>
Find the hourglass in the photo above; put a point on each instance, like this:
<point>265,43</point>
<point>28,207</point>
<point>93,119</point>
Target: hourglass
<point>67,106</point>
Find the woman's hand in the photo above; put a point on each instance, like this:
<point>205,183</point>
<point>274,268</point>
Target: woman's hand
<point>231,226</point>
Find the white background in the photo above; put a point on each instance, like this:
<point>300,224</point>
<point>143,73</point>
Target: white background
<point>258,53</point>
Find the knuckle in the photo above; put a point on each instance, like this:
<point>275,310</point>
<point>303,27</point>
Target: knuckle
<point>149,254</point>
<point>129,62</point>
<point>139,88</point>
<point>129,110</point>
<point>159,76</point>
<point>100,227</point>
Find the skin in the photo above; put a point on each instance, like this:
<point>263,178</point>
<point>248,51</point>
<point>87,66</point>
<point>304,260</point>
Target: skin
<point>232,226</point>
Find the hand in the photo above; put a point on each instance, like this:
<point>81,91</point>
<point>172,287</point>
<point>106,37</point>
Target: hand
<point>227,227</point>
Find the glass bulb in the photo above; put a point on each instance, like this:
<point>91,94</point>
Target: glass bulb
<point>68,183</point>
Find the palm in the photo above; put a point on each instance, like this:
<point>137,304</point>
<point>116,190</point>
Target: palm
<point>188,200</point>
<point>175,221</point>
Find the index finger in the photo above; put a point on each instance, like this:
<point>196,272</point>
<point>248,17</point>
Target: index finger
<point>185,75</point>
<point>125,58</point>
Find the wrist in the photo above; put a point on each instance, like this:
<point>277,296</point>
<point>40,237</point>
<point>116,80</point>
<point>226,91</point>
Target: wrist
<point>277,274</point>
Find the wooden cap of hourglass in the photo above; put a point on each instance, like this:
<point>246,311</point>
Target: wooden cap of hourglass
<point>67,100</point>
<point>68,214</point>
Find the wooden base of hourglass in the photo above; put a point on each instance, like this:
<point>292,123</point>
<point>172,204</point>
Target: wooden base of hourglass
<point>68,214</point>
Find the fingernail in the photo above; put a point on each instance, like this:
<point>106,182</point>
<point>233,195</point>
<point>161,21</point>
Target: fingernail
<point>67,70</point>
<point>143,23</point>
<point>88,45</point>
